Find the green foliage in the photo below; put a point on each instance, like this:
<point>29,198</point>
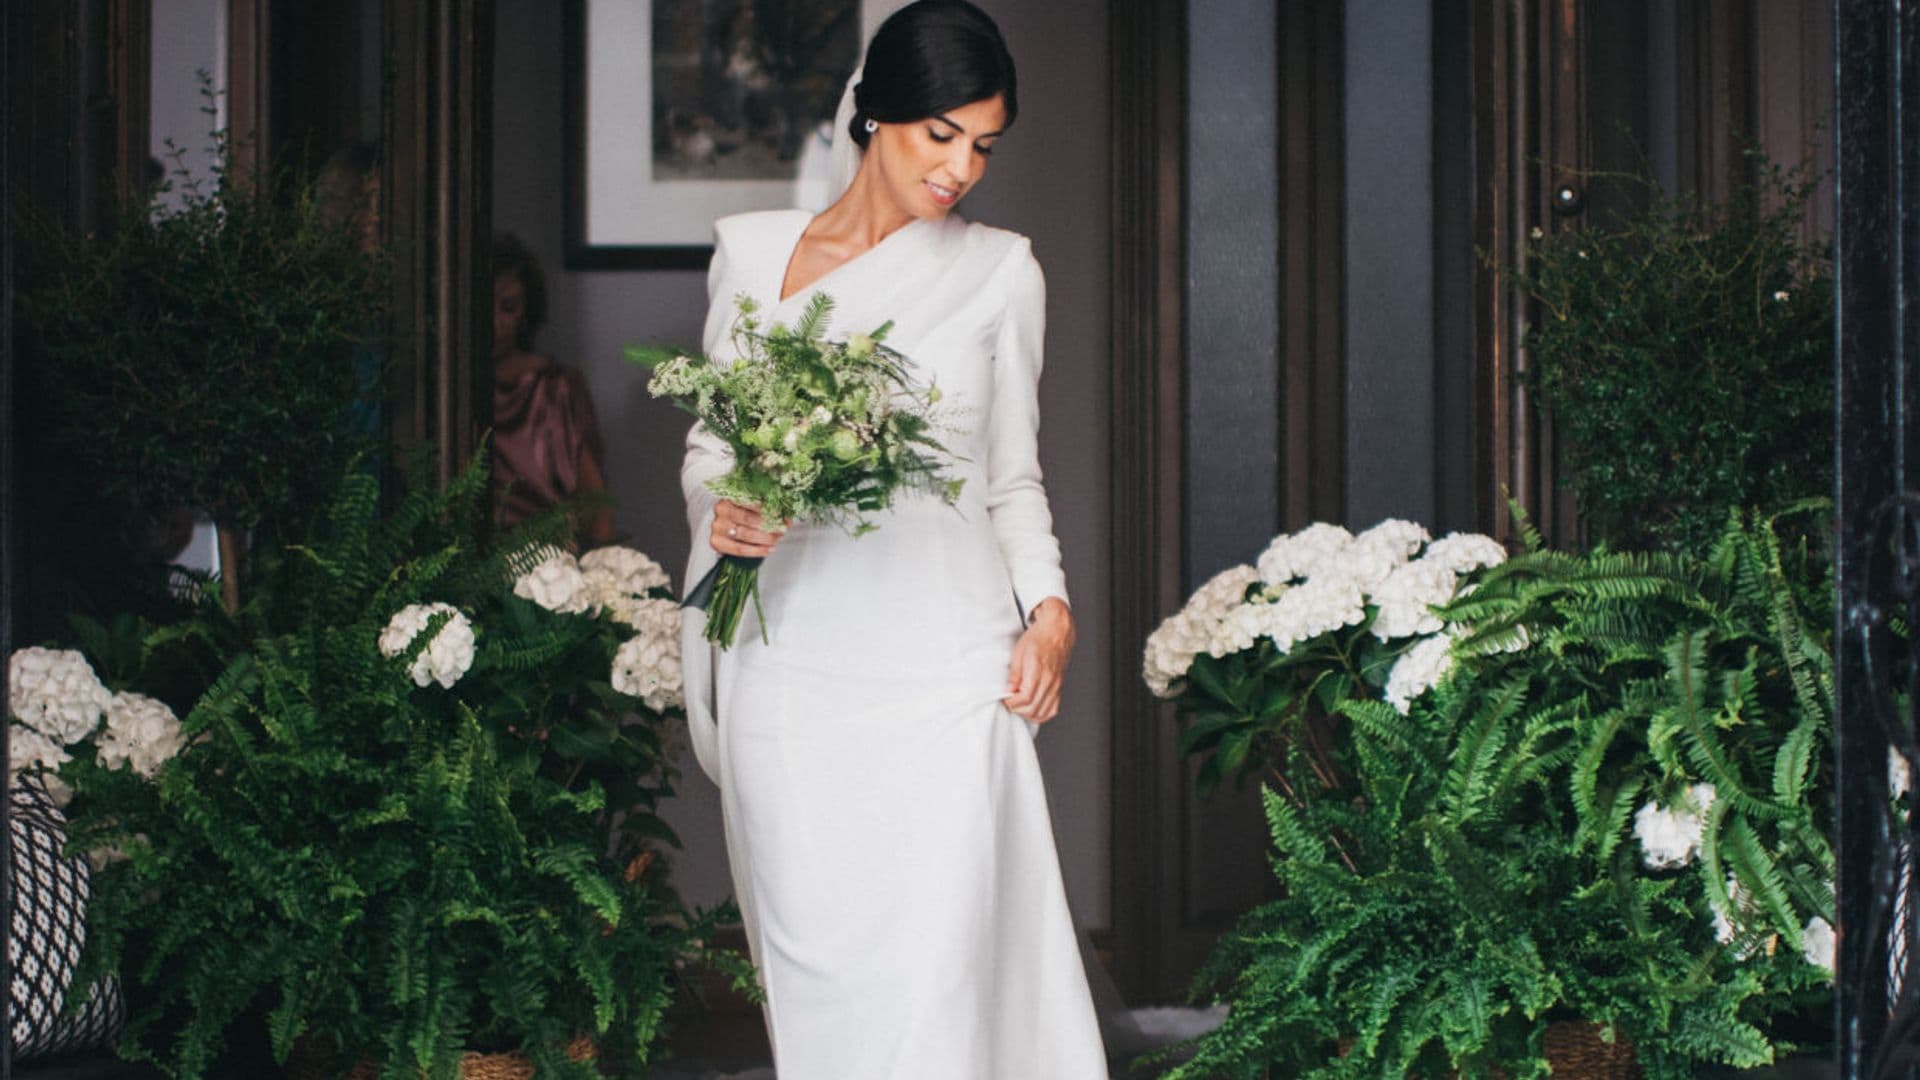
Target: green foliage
<point>1685,357</point>
<point>826,431</point>
<point>201,353</point>
<point>1260,705</point>
<point>390,869</point>
<point>1468,872</point>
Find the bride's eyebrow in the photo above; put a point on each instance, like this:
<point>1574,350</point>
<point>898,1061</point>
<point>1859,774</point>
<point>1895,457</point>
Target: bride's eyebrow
<point>956,127</point>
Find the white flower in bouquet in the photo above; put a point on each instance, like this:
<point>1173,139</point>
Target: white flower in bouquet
<point>1189,631</point>
<point>1899,774</point>
<point>1419,669</point>
<point>1817,942</point>
<point>1670,836</point>
<point>556,583</point>
<point>446,657</point>
<point>1292,556</point>
<point>141,732</point>
<point>56,693</point>
<point>29,749</point>
<point>647,666</point>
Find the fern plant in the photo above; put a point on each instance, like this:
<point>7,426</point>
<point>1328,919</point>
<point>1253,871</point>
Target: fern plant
<point>386,869</point>
<point>1472,873</point>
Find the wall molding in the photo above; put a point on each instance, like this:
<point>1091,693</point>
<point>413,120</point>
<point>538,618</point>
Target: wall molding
<point>1148,120</point>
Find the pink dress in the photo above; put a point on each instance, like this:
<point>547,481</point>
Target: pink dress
<point>541,422</point>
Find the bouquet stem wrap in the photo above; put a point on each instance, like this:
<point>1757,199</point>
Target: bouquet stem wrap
<point>723,595</point>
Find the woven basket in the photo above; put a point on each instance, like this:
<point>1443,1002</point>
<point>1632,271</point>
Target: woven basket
<point>1576,1050</point>
<point>309,1062</point>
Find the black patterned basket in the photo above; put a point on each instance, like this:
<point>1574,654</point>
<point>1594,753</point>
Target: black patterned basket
<point>46,933</point>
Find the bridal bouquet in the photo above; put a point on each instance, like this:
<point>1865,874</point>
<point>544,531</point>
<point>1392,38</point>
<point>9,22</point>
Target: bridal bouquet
<point>821,431</point>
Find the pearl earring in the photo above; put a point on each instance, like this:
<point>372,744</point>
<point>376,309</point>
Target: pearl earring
<point>872,126</point>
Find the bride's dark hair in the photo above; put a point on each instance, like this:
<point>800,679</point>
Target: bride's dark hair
<point>927,58</point>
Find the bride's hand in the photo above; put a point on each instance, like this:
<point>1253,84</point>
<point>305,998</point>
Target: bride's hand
<point>739,530</point>
<point>1040,662</point>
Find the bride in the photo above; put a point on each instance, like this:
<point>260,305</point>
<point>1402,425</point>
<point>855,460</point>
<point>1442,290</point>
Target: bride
<point>886,823</point>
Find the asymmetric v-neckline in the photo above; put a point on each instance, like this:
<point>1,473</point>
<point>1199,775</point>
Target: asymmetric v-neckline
<point>793,249</point>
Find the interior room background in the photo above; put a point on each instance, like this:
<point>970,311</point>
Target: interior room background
<point>1263,227</point>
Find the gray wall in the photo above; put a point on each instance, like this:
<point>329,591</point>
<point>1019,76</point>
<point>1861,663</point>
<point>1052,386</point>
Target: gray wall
<point>1389,256</point>
<point>1232,483</point>
<point>189,36</point>
<point>1048,180</point>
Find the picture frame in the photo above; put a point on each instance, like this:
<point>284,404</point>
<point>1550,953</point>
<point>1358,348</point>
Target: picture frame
<point>679,112</point>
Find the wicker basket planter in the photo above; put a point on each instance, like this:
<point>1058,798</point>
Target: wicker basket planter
<point>1576,1049</point>
<point>309,1062</point>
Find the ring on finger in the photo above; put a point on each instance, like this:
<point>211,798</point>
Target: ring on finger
<point>733,532</point>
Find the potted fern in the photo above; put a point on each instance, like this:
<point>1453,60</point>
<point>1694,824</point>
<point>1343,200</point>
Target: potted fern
<point>1581,811</point>
<point>412,815</point>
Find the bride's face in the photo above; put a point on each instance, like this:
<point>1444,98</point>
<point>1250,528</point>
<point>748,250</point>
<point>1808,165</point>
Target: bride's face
<point>927,166</point>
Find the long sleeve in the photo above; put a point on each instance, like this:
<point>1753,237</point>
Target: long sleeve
<point>1016,497</point>
<point>707,455</point>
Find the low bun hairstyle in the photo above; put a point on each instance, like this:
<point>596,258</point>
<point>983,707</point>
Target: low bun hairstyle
<point>927,58</point>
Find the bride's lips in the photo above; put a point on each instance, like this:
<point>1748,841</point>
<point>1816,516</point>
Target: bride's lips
<point>945,196</point>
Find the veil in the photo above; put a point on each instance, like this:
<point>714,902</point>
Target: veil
<point>843,159</point>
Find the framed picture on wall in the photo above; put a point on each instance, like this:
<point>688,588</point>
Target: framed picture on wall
<point>682,111</point>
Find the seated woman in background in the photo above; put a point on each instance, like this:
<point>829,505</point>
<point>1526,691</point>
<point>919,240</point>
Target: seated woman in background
<point>546,442</point>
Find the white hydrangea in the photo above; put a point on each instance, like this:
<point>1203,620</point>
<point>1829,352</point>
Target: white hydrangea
<point>1421,668</point>
<point>556,583</point>
<point>1378,552</point>
<point>1670,836</point>
<point>28,749</point>
<point>1465,552</point>
<point>1408,595</point>
<point>1323,604</point>
<point>623,571</point>
<point>1234,631</point>
<point>141,732</point>
<point>1322,579</point>
<point>1725,929</point>
<point>446,657</point>
<point>1402,538</point>
<point>1189,631</point>
<point>1817,942</point>
<point>1168,657</point>
<point>56,693</point>
<point>1292,556</point>
<point>647,665</point>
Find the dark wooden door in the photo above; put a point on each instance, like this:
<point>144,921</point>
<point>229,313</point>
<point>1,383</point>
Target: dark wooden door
<point>1227,414</point>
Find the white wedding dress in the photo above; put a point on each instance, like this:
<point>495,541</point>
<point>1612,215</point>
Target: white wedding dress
<point>885,817</point>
